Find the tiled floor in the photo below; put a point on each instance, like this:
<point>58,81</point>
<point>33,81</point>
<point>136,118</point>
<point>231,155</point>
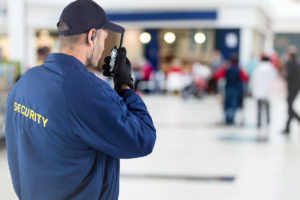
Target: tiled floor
<point>193,151</point>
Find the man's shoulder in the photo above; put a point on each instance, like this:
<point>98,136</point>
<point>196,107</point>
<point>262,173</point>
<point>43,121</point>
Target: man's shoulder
<point>28,75</point>
<point>33,70</point>
<point>77,78</point>
<point>85,85</point>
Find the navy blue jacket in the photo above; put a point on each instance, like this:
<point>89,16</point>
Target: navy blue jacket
<point>66,131</point>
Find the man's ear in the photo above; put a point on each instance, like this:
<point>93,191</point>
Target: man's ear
<point>91,36</point>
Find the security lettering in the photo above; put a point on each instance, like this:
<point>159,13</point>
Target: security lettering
<point>30,114</point>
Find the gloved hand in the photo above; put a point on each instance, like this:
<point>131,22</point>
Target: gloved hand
<point>122,71</point>
<point>106,67</point>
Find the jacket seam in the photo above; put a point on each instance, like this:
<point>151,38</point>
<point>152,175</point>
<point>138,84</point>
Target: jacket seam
<point>66,102</point>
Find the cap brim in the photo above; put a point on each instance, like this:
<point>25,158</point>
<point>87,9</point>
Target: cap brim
<point>114,27</point>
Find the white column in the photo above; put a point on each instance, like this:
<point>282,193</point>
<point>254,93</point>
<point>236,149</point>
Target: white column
<point>246,45</point>
<point>16,30</point>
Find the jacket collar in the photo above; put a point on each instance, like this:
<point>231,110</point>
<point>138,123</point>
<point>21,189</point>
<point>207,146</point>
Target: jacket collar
<point>64,58</point>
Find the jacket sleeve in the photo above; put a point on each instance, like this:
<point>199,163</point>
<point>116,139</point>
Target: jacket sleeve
<point>243,75</point>
<point>221,73</point>
<point>119,126</point>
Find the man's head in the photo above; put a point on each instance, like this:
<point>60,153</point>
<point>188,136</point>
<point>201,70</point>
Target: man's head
<point>265,57</point>
<point>292,53</point>
<point>234,59</point>
<point>90,45</point>
<point>82,29</point>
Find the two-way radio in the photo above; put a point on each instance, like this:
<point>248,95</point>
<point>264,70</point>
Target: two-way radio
<point>113,56</point>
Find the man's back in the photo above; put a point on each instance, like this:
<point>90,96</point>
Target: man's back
<point>233,79</point>
<point>59,146</point>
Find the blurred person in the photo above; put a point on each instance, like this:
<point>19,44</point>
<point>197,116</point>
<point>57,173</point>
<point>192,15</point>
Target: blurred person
<point>274,59</point>
<point>175,78</point>
<point>293,85</point>
<point>201,71</point>
<point>286,55</point>
<point>261,81</point>
<point>234,77</point>
<point>147,71</point>
<point>42,54</point>
<point>199,77</point>
<point>66,129</point>
<point>144,74</point>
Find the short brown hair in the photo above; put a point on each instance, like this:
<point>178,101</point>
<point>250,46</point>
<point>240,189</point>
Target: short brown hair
<point>69,40</point>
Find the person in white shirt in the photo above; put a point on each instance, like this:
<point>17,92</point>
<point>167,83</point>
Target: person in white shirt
<point>261,82</point>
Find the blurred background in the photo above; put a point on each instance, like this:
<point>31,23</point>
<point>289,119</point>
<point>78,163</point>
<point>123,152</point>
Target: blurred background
<point>220,78</point>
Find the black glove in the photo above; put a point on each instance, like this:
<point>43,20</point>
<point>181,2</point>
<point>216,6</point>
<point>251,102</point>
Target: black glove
<point>122,73</point>
<point>106,67</point>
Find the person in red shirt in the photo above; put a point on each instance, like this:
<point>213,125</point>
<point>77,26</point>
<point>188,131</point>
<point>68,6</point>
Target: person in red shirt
<point>234,77</point>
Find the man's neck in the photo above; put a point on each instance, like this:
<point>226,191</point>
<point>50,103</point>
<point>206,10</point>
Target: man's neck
<point>78,53</point>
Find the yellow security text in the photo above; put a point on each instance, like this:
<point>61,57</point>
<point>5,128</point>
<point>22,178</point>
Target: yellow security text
<point>30,114</point>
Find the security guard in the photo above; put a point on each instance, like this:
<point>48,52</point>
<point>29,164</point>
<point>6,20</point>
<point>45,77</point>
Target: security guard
<point>66,129</point>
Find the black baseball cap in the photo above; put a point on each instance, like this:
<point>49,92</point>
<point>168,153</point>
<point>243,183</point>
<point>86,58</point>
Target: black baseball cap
<point>83,15</point>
